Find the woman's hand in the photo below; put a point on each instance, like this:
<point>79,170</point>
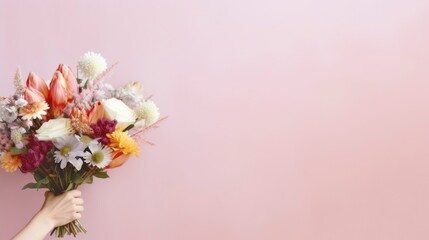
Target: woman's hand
<point>56,211</point>
<point>62,209</point>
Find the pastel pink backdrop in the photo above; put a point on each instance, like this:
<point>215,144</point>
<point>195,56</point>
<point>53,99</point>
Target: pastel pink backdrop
<point>287,119</point>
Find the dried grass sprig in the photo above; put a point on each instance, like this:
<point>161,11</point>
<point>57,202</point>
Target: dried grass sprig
<point>18,83</point>
<point>154,125</point>
<point>104,74</point>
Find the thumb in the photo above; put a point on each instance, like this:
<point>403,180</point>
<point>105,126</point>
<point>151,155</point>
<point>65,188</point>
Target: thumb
<point>48,194</point>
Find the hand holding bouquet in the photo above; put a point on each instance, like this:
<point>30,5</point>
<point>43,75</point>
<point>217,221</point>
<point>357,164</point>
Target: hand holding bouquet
<point>73,130</point>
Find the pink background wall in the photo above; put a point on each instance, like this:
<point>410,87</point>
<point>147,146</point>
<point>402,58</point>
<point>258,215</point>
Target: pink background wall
<point>304,120</point>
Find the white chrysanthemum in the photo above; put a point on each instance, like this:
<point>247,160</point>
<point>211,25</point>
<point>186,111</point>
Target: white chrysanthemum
<point>68,150</point>
<point>100,156</point>
<point>92,64</point>
<point>147,111</point>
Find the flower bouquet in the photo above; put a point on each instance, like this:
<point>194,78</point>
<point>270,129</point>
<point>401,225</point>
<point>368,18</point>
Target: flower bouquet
<point>73,130</point>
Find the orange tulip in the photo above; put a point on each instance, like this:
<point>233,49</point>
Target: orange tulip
<point>33,96</point>
<point>57,94</point>
<point>118,159</point>
<point>70,80</point>
<point>37,83</point>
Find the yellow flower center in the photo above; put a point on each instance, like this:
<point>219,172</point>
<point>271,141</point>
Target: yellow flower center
<point>65,151</point>
<point>97,157</point>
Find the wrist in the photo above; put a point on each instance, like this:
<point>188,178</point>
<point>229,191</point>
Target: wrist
<point>44,221</point>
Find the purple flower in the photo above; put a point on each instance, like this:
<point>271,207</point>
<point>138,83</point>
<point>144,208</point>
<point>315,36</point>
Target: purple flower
<point>103,127</point>
<point>36,154</point>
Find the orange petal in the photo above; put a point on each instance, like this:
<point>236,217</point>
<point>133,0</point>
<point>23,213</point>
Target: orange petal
<point>71,82</point>
<point>57,94</point>
<point>37,83</point>
<point>96,112</point>
<point>118,159</point>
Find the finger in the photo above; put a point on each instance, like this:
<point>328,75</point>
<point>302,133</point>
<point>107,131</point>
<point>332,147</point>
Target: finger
<point>78,209</point>
<point>78,201</point>
<point>77,216</point>
<point>75,193</point>
<point>48,194</point>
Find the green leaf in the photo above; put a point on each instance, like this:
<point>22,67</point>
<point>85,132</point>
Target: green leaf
<point>17,151</point>
<point>128,128</point>
<point>39,175</point>
<point>79,81</point>
<point>89,180</point>
<point>77,178</point>
<point>101,174</point>
<point>30,186</point>
<point>70,187</point>
<point>44,181</point>
<point>35,186</point>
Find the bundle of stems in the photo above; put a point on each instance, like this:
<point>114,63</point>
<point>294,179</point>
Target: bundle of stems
<point>59,181</point>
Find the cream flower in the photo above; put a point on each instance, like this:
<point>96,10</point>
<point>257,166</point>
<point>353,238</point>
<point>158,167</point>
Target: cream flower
<point>16,136</point>
<point>54,128</point>
<point>92,64</point>
<point>100,156</point>
<point>117,110</point>
<point>134,88</point>
<point>147,111</point>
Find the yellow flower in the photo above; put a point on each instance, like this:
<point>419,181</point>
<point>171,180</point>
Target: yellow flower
<point>34,110</point>
<point>10,163</point>
<point>121,142</point>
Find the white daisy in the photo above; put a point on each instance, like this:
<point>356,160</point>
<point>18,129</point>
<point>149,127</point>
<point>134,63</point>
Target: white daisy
<point>87,141</point>
<point>68,150</point>
<point>100,156</point>
<point>92,64</point>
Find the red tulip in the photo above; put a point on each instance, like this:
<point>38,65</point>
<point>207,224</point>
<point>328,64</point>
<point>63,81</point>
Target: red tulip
<point>37,83</point>
<point>70,79</point>
<point>57,94</point>
<point>118,159</point>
